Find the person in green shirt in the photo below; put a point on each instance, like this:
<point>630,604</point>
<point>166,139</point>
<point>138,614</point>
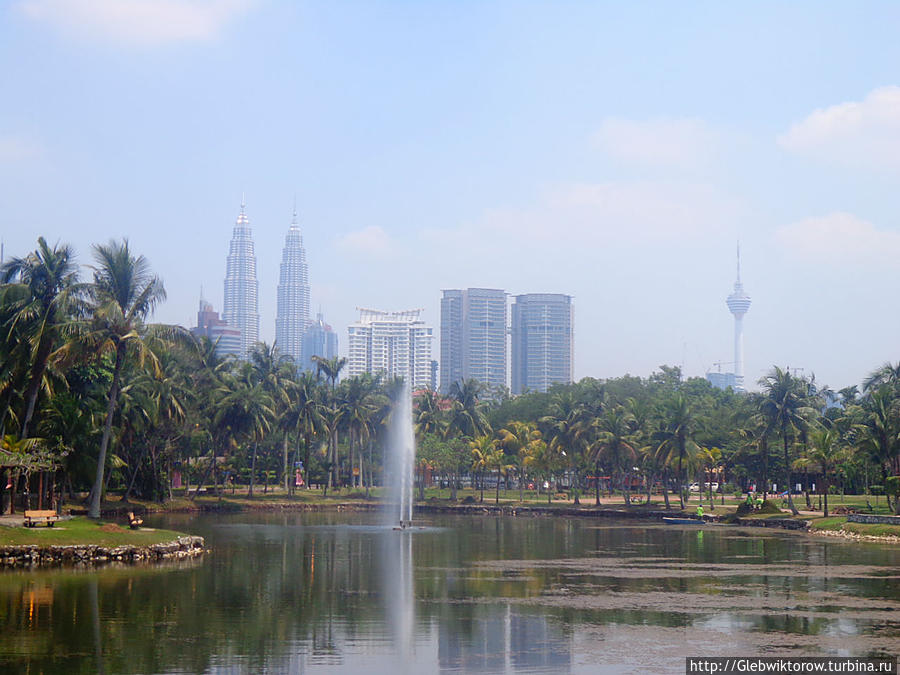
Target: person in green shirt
<point>700,512</point>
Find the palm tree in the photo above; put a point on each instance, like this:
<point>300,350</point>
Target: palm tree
<point>567,427</point>
<point>545,461</point>
<point>520,439</point>
<point>483,448</point>
<point>614,445</point>
<point>305,416</point>
<point>675,438</point>
<point>878,435</point>
<point>887,375</point>
<point>275,371</point>
<point>356,400</point>
<point>708,458</point>
<point>332,369</point>
<point>784,405</point>
<point>466,415</point>
<point>247,414</point>
<point>824,449</point>
<point>123,294</point>
<point>51,277</point>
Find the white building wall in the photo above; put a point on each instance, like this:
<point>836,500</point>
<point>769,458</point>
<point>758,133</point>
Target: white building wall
<point>395,344</point>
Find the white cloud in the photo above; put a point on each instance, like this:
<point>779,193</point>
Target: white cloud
<point>138,22</point>
<point>371,241</point>
<point>838,238</point>
<point>858,133</point>
<point>617,212</point>
<point>17,149</point>
<point>665,142</point>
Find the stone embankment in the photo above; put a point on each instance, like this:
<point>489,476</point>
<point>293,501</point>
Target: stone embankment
<point>83,554</point>
<point>877,520</point>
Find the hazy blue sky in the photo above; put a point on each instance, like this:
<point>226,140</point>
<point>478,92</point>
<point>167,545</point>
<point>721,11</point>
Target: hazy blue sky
<point>613,151</point>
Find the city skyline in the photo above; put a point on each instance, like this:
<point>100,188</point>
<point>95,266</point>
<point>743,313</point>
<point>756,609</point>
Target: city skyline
<point>438,145</point>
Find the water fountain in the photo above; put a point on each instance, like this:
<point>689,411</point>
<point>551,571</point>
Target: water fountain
<point>400,462</point>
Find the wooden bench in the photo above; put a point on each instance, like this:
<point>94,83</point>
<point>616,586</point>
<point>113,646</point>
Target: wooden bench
<point>32,518</point>
<point>133,521</point>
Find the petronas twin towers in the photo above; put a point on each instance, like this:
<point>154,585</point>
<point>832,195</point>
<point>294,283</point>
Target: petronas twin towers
<point>242,290</point>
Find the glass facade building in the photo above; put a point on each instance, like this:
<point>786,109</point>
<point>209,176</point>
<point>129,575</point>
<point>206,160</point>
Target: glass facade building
<point>542,341</point>
<point>473,337</point>
<point>241,309</point>
<point>292,317</point>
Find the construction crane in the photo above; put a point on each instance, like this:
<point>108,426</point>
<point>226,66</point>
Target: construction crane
<point>719,364</point>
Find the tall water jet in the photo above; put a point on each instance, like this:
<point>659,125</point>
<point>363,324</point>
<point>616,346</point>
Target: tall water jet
<point>400,461</point>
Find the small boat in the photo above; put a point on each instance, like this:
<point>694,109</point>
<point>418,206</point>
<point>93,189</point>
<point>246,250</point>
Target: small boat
<point>683,521</point>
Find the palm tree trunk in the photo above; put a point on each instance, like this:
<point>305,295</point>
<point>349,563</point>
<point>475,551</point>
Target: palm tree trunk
<point>284,452</point>
<point>134,475</point>
<point>666,488</point>
<point>252,472</point>
<point>680,477</point>
<point>34,384</point>
<point>112,397</point>
<point>787,481</point>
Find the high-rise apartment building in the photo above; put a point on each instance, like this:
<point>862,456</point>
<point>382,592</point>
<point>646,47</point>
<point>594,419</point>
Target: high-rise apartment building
<point>473,336</point>
<point>318,340</point>
<point>226,338</point>
<point>241,309</point>
<point>542,341</point>
<point>292,317</point>
<point>396,344</point>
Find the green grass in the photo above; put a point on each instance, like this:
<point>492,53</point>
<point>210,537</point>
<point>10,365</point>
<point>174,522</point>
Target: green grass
<point>840,524</point>
<point>873,529</point>
<point>83,531</point>
<point>835,523</point>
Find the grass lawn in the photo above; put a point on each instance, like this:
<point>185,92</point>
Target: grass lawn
<point>839,524</point>
<point>84,531</point>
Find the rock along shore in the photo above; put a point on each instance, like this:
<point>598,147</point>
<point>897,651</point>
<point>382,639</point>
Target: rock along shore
<point>32,555</point>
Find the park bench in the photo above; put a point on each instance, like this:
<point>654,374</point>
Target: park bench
<point>133,521</point>
<point>32,518</point>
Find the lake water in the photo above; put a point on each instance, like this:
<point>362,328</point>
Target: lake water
<point>337,593</point>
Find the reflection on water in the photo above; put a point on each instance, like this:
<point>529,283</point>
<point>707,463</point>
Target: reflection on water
<point>340,593</point>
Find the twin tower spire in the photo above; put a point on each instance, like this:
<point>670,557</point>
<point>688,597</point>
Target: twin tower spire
<point>241,309</point>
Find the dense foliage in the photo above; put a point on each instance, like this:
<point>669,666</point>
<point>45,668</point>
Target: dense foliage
<point>94,398</point>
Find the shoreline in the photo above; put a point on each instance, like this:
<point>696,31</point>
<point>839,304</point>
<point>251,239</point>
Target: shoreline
<point>60,555</point>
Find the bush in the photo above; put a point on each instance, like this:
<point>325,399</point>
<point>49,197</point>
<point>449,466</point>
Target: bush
<point>876,489</point>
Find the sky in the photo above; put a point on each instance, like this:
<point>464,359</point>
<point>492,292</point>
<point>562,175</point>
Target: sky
<point>615,152</point>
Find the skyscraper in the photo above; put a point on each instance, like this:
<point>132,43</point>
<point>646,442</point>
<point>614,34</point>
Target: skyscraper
<point>318,340</point>
<point>396,344</point>
<point>738,304</point>
<point>542,341</point>
<point>226,338</point>
<point>241,309</point>
<point>473,336</point>
<point>292,317</point>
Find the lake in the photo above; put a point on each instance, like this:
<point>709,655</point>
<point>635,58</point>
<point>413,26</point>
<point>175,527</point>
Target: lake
<point>338,593</point>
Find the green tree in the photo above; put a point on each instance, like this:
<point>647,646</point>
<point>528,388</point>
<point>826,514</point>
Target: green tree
<point>784,405</point>
<point>675,438</point>
<point>50,276</point>
<point>123,294</point>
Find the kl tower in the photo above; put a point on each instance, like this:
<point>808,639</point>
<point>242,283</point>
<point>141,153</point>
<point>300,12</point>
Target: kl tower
<point>738,304</point>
